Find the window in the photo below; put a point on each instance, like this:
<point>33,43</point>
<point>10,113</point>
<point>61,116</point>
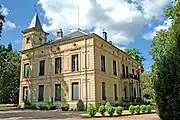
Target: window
<point>103,66</point>
<point>26,70</point>
<point>58,92</point>
<point>75,91</point>
<point>40,40</point>
<point>74,63</point>
<point>127,72</point>
<point>25,94</point>
<point>42,66</point>
<point>114,68</point>
<point>27,40</point>
<point>133,71</point>
<point>123,70</point>
<point>103,91</point>
<point>115,92</point>
<point>41,93</point>
<point>58,65</point>
<point>125,92</point>
<point>134,92</point>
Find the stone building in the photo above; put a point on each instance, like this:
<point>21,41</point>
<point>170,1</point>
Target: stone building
<point>75,66</point>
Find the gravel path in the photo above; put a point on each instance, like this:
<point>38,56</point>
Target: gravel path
<point>67,115</point>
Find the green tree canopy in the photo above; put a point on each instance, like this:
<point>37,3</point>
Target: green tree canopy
<point>9,75</point>
<point>136,54</point>
<point>166,68</point>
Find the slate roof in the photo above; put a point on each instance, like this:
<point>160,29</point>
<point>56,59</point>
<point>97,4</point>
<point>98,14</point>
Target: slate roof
<point>35,23</point>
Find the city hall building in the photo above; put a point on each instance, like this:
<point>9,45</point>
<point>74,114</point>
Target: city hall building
<point>75,66</point>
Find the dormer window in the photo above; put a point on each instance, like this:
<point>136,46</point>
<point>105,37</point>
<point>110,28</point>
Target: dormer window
<point>27,40</point>
<point>40,40</point>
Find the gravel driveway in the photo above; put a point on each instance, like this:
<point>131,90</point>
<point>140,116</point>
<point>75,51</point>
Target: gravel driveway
<point>68,115</point>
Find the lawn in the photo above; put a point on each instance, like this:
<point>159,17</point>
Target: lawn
<point>7,105</point>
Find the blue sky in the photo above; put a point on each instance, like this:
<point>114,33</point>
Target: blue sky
<point>129,23</point>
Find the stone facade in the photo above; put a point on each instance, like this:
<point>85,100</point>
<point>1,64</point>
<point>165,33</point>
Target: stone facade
<point>87,74</point>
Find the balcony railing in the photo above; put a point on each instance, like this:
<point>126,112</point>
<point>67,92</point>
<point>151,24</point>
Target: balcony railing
<point>126,76</point>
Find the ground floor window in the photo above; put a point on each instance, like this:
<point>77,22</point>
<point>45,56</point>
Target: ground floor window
<point>125,92</point>
<point>103,91</point>
<point>75,91</point>
<point>25,93</point>
<point>58,92</point>
<point>115,92</point>
<point>134,92</point>
<point>41,93</point>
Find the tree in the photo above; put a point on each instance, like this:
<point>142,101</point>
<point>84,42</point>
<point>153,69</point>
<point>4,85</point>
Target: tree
<point>137,56</point>
<point>147,85</point>
<point>2,20</point>
<point>166,68</point>
<point>9,75</point>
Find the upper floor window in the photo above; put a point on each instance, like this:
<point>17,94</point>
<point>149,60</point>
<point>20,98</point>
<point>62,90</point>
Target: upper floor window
<point>26,70</point>
<point>123,70</point>
<point>58,65</point>
<point>27,40</point>
<point>127,71</point>
<point>41,67</point>
<point>40,40</point>
<point>74,62</point>
<point>114,68</point>
<point>133,71</point>
<point>103,66</point>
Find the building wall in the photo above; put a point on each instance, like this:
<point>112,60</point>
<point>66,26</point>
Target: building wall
<point>49,53</point>
<point>95,48</point>
<point>111,54</point>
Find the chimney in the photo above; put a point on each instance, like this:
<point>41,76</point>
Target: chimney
<point>104,35</point>
<point>60,34</point>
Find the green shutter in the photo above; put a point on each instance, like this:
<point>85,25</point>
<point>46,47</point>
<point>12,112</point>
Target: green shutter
<point>27,70</point>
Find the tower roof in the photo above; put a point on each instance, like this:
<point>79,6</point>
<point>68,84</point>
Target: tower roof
<point>35,23</point>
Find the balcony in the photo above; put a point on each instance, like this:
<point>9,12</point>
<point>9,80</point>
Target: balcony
<point>127,76</point>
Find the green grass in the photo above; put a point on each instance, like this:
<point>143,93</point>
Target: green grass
<point>7,105</point>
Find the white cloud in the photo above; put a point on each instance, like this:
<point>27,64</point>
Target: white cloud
<point>9,25</point>
<point>152,8</point>
<point>122,20</point>
<point>4,11</point>
<point>165,25</point>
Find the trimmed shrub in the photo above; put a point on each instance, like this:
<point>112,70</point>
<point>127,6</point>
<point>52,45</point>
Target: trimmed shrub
<point>52,107</point>
<point>97,106</point>
<point>148,108</point>
<point>33,106</point>
<point>43,107</point>
<point>132,109</point>
<point>80,106</point>
<point>119,110</point>
<point>65,106</point>
<point>102,110</point>
<point>103,103</point>
<point>107,105</point>
<point>137,109</point>
<point>119,103</point>
<point>91,110</point>
<point>143,108</point>
<point>110,110</point>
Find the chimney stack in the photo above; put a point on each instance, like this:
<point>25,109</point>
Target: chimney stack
<point>104,35</point>
<point>60,34</point>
